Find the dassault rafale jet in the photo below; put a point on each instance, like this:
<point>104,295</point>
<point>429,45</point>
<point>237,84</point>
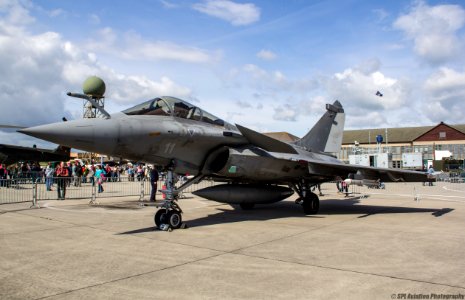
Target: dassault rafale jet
<point>183,138</point>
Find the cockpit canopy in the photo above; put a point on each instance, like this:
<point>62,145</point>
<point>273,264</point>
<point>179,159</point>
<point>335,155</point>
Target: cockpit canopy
<point>171,106</point>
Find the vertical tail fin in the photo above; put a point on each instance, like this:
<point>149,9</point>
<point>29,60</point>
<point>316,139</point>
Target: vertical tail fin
<point>326,135</point>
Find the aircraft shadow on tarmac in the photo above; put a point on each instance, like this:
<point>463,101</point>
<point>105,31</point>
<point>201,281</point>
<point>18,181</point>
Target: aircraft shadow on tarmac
<point>286,209</point>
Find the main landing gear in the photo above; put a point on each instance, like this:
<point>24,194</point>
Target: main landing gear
<point>309,201</point>
<point>169,214</point>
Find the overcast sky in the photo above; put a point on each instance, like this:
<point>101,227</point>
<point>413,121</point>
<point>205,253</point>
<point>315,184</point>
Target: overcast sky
<point>267,65</point>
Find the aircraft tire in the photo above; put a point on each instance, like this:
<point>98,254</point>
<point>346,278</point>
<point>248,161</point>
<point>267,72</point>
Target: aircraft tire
<point>311,204</point>
<point>247,206</point>
<point>160,217</point>
<point>174,219</point>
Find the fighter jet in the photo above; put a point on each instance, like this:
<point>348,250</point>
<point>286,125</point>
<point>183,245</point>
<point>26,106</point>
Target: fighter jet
<point>10,154</point>
<point>252,168</point>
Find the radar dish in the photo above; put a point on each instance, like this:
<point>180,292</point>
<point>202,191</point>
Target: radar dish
<point>94,87</point>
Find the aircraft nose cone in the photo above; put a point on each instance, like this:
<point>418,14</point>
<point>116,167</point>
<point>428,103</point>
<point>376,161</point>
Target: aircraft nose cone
<point>93,135</point>
<point>67,134</point>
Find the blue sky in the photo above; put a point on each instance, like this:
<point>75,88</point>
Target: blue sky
<point>267,65</point>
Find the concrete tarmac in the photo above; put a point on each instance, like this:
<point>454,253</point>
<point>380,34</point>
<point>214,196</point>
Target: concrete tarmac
<point>385,246</point>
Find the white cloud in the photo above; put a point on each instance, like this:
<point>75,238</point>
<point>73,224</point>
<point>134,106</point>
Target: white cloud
<point>131,46</point>
<point>266,55</point>
<point>446,80</point>
<point>358,88</point>
<point>372,119</point>
<point>38,69</point>
<point>168,4</point>
<point>56,12</point>
<point>313,106</point>
<point>369,66</point>
<point>128,87</point>
<point>381,14</point>
<point>445,90</point>
<point>273,80</point>
<point>14,17</point>
<point>235,13</point>
<point>434,30</point>
<point>285,112</point>
<point>94,19</point>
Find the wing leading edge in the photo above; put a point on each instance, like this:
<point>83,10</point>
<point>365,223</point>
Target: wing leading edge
<point>265,142</point>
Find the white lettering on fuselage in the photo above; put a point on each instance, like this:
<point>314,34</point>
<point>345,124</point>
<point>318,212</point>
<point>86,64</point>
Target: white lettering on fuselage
<point>169,147</point>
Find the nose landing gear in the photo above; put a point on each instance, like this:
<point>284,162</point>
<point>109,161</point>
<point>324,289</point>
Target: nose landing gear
<point>169,215</point>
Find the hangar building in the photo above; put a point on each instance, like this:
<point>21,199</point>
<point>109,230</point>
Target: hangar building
<point>434,142</point>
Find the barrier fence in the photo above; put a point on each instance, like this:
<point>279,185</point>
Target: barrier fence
<point>28,189</point>
<point>418,190</point>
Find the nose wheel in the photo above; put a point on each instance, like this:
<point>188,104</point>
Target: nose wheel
<point>160,217</point>
<point>172,218</point>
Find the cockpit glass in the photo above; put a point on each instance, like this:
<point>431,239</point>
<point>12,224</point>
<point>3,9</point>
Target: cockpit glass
<point>166,106</point>
<point>156,106</point>
<point>209,118</point>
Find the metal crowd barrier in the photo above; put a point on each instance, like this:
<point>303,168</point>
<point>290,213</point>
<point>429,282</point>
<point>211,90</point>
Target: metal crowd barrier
<point>26,189</point>
<point>418,190</point>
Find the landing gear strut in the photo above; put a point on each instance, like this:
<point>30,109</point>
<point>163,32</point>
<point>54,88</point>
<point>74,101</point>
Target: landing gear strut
<point>309,201</point>
<point>169,214</point>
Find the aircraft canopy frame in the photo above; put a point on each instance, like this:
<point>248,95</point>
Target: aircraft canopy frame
<point>172,106</point>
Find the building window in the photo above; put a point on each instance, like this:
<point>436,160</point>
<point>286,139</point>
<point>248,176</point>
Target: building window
<point>442,134</point>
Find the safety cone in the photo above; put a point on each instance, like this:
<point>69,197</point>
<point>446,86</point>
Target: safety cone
<point>163,187</point>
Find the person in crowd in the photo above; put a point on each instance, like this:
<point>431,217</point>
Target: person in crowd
<point>35,171</point>
<point>2,175</point>
<point>49,172</point>
<point>430,174</point>
<point>113,174</point>
<point>339,184</point>
<point>78,174</point>
<point>85,173</point>
<point>130,172</point>
<point>62,174</point>
<point>70,170</point>
<point>107,170</point>
<point>99,177</point>
<point>140,173</point>
<point>119,171</point>
<point>345,188</point>
<point>92,174</point>
<point>153,183</point>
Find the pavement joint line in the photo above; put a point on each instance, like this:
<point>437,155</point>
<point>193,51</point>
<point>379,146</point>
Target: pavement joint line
<point>306,231</point>
<point>233,252</point>
<point>353,271</point>
<point>72,225</point>
<point>41,230</point>
<point>132,276</point>
<point>112,232</point>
